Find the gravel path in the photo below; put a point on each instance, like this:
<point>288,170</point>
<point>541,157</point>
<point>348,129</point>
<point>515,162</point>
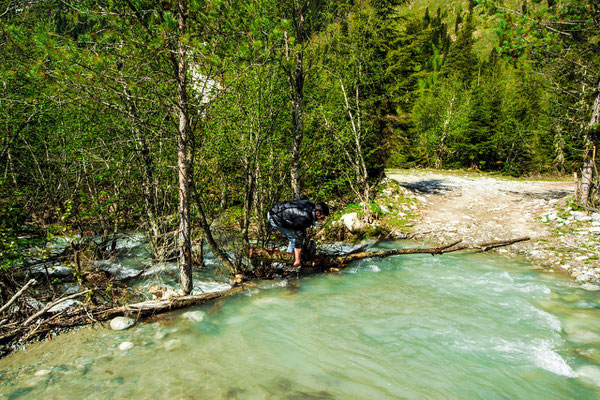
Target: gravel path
<point>480,208</point>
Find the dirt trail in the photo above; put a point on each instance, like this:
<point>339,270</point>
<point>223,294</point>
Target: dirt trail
<point>479,208</point>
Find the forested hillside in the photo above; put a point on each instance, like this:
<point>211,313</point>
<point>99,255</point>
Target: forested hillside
<point>193,117</point>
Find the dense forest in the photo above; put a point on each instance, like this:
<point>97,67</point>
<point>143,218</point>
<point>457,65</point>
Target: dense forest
<point>190,118</point>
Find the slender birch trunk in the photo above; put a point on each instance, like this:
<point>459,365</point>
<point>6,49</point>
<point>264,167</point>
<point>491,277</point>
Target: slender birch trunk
<point>184,159</point>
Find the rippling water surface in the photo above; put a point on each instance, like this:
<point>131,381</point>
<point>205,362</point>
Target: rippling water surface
<point>456,326</point>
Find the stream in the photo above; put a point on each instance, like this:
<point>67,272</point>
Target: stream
<point>456,326</point>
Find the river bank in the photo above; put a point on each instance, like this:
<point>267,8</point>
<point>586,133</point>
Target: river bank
<point>479,207</point>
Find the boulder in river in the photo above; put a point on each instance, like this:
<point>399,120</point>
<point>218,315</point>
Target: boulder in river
<point>121,323</point>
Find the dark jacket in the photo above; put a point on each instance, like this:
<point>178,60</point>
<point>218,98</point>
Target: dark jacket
<point>295,214</point>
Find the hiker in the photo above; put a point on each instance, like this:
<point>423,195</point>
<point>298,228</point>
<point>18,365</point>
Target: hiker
<point>292,218</point>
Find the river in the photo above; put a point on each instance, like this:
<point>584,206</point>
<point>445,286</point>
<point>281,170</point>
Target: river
<point>457,326</point>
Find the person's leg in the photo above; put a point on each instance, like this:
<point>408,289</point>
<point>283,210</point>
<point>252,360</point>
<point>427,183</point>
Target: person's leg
<point>290,234</point>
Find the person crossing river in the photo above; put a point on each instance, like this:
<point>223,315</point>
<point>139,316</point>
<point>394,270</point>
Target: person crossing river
<point>292,218</point>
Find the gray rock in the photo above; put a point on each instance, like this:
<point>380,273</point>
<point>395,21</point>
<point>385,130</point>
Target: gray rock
<point>596,216</point>
<point>594,229</point>
<point>64,305</point>
<point>117,269</point>
<point>71,288</point>
<point>352,222</point>
<point>54,271</point>
<point>583,218</point>
<point>34,303</point>
<point>121,323</point>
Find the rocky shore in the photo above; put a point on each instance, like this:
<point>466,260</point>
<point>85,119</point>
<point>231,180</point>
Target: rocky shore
<point>479,207</point>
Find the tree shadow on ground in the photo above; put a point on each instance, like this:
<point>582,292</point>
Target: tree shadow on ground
<point>547,195</point>
<point>429,186</point>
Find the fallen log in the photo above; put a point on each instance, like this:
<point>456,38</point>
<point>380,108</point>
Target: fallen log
<point>142,309</point>
<point>324,262</point>
<point>82,315</point>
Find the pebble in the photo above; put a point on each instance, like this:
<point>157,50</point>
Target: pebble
<point>126,346</point>
<point>121,323</point>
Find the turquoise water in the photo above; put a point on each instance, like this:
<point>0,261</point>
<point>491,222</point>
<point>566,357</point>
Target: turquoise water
<point>457,326</point>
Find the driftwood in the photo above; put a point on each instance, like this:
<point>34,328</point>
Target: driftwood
<point>322,263</point>
<point>144,308</point>
<point>16,296</point>
<point>81,315</point>
<point>52,304</point>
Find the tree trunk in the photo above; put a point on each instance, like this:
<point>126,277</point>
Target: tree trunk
<point>184,162</point>
<point>296,83</point>
<point>587,173</point>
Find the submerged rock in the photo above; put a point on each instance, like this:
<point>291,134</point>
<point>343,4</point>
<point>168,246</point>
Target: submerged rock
<point>590,374</point>
<point>584,336</point>
<point>592,354</point>
<point>43,372</point>
<point>121,323</point>
<point>590,287</point>
<point>196,316</point>
<point>172,344</point>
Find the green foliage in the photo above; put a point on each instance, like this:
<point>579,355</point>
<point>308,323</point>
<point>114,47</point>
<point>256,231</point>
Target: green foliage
<point>89,117</point>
